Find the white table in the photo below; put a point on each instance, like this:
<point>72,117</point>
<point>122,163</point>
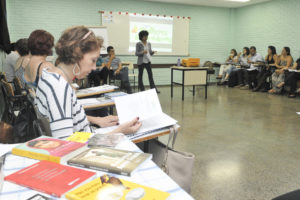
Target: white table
<point>149,174</point>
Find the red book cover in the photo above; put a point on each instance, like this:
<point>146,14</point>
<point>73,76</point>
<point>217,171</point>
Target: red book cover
<point>51,178</point>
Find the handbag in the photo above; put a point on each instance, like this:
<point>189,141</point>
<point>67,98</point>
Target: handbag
<point>177,164</point>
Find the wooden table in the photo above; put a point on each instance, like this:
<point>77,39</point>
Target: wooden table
<point>93,93</point>
<point>191,76</point>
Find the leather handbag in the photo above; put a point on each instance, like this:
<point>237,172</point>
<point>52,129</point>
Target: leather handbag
<point>177,164</point>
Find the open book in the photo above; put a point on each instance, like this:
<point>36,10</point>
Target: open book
<point>144,105</point>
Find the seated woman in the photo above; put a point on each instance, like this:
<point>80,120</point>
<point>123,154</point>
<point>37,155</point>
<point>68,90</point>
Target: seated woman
<point>291,79</point>
<point>285,62</point>
<point>78,50</point>
<point>40,44</point>
<point>271,60</point>
<point>226,69</point>
<point>22,48</point>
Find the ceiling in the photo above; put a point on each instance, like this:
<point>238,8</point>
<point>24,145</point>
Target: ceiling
<point>215,3</point>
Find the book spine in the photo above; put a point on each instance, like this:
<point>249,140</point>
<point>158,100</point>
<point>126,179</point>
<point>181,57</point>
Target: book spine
<point>99,168</point>
<point>35,155</point>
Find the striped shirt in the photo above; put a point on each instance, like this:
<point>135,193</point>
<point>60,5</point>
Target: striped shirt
<point>56,99</point>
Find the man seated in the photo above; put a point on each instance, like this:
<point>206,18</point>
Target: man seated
<point>114,64</point>
<point>100,74</point>
<point>251,73</point>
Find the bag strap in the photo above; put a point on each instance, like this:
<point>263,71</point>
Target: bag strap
<point>172,136</point>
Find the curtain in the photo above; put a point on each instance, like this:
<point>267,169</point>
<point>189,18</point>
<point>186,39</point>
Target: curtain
<point>4,35</point>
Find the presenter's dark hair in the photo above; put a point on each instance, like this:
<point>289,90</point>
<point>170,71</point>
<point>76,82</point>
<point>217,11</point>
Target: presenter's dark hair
<point>253,47</point>
<point>109,48</point>
<point>142,34</point>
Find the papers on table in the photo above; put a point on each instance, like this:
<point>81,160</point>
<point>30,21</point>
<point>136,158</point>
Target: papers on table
<point>293,70</point>
<point>146,106</point>
<point>5,148</point>
<point>94,101</point>
<point>102,88</point>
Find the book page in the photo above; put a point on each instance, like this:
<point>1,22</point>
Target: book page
<point>143,105</point>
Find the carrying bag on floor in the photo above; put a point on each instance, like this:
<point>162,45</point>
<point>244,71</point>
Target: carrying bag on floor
<point>233,79</point>
<point>178,165</point>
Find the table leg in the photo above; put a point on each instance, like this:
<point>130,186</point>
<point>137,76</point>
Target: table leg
<point>206,91</point>
<point>171,83</point>
<point>183,85</point>
<point>146,146</point>
<point>193,90</point>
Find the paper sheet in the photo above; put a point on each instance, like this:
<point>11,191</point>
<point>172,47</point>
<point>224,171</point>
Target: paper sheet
<point>143,105</point>
<point>4,148</point>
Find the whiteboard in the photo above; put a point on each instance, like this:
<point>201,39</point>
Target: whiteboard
<point>118,31</point>
<point>102,32</point>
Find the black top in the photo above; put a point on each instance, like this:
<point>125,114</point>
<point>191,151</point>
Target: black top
<point>272,61</point>
<point>298,64</point>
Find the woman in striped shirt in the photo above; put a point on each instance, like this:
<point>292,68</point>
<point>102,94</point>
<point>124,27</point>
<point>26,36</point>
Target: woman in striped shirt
<point>77,51</point>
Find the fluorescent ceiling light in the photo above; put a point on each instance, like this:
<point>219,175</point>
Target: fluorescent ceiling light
<point>242,1</point>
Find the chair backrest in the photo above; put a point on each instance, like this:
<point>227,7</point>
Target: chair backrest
<point>18,85</point>
<point>8,88</point>
<point>129,65</point>
<point>3,76</point>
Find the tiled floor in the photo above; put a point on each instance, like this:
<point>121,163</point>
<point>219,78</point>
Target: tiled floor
<point>247,145</point>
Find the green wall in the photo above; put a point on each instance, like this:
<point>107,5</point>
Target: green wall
<point>273,23</point>
<point>213,31</point>
<point>56,15</point>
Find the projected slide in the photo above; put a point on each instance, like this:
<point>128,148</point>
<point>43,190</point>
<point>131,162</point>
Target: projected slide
<point>160,32</point>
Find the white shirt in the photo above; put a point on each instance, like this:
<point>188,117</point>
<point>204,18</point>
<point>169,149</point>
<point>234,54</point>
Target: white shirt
<point>56,99</point>
<point>147,56</point>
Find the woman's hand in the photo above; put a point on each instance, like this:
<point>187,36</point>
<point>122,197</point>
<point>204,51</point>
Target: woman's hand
<point>106,121</point>
<point>129,127</point>
<point>145,52</point>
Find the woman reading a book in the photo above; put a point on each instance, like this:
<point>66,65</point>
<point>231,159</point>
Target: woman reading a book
<point>78,50</point>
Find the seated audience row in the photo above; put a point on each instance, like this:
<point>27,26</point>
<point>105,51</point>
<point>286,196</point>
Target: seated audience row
<point>272,74</point>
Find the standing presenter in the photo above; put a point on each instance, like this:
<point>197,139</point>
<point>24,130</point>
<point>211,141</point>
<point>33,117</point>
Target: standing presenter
<point>144,52</point>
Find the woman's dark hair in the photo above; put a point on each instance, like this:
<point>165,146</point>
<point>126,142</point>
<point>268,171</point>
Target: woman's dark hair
<point>235,53</point>
<point>142,34</point>
<point>253,47</point>
<point>109,48</point>
<point>74,43</point>
<point>247,51</point>
<point>273,49</point>
<point>21,46</point>
<point>288,50</point>
<point>40,42</point>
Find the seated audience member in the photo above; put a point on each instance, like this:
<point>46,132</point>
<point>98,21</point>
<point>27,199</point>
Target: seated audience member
<point>241,69</point>
<point>40,44</point>
<point>230,67</point>
<point>101,73</point>
<point>285,62</point>
<point>252,72</point>
<point>292,78</point>
<point>266,71</point>
<point>22,49</point>
<point>10,62</point>
<point>78,50</point>
<point>114,63</point>
<point>224,69</point>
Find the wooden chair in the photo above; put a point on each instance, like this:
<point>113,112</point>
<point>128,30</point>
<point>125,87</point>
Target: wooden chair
<point>131,73</point>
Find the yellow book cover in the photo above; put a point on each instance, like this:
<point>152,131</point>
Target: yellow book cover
<point>81,137</point>
<point>112,188</point>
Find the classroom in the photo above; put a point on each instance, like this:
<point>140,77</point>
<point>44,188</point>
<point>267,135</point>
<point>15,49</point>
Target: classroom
<point>149,99</point>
